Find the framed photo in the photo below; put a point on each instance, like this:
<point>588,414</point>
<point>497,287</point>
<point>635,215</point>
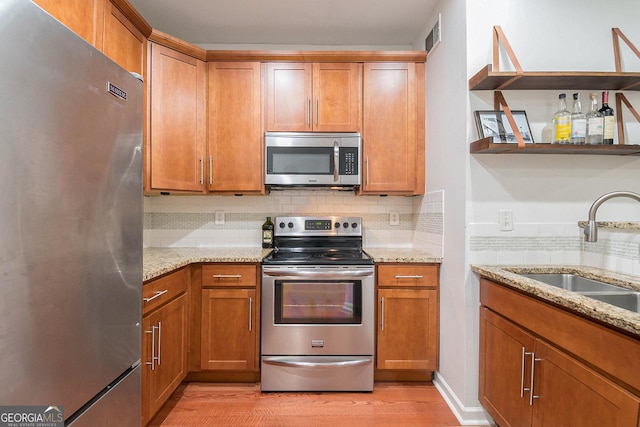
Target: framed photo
<point>495,124</point>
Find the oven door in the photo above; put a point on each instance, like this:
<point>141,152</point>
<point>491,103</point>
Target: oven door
<point>322,310</point>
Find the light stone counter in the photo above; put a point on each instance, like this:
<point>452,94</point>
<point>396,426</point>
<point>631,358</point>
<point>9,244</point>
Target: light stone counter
<point>402,255</point>
<point>158,261</point>
<point>620,318</point>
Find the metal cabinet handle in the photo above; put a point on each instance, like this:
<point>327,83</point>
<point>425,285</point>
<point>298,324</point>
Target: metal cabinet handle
<point>250,312</point>
<point>317,107</point>
<point>153,348</point>
<point>201,171</point>
<point>382,316</point>
<point>308,112</point>
<point>302,364</point>
<point>533,369</point>
<point>522,387</point>
<point>210,170</point>
<point>336,160</point>
<point>366,164</point>
<point>409,277</point>
<point>157,294</point>
<point>159,338</point>
<point>227,276</point>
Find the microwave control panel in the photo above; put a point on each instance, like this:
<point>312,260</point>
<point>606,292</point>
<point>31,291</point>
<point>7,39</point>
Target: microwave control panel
<point>348,161</point>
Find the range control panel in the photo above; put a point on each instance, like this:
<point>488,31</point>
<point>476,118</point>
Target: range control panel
<point>318,226</point>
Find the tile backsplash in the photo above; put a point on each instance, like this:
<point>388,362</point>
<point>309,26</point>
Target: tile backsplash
<point>190,221</point>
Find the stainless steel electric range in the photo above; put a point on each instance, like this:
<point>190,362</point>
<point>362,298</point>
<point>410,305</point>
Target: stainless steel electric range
<point>317,307</point>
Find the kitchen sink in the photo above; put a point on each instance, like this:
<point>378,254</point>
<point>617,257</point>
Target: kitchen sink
<point>627,300</point>
<point>575,283</point>
<point>605,292</point>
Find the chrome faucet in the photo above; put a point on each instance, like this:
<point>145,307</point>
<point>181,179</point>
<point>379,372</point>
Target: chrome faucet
<point>591,229</point>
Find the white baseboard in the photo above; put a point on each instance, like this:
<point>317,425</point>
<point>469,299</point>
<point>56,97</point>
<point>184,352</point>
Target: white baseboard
<point>467,416</point>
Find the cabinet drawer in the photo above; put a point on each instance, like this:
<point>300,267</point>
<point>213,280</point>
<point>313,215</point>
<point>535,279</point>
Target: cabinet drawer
<point>159,291</point>
<point>229,275</point>
<point>407,275</point>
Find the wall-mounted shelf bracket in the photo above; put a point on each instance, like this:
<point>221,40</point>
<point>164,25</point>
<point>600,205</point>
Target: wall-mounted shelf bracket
<point>500,103</point>
<point>498,37</point>
<point>620,98</point>
<point>616,34</point>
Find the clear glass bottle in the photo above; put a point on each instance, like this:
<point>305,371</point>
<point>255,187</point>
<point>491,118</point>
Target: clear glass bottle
<point>267,233</point>
<point>578,122</point>
<point>562,122</point>
<point>609,120</point>
<point>595,122</point>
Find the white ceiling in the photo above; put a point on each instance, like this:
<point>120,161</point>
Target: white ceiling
<point>289,22</point>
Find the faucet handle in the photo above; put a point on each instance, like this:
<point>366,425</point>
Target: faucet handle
<point>591,231</point>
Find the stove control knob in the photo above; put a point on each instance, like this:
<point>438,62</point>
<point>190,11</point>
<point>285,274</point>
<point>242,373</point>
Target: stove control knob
<point>290,225</point>
<point>354,225</point>
<point>337,225</point>
<point>345,225</point>
<point>281,225</point>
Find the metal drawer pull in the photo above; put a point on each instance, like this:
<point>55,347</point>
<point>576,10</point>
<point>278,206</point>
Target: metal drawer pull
<point>409,277</point>
<point>300,364</point>
<point>157,294</point>
<point>227,276</point>
<point>250,312</point>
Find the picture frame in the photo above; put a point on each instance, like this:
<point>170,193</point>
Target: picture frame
<point>495,124</point>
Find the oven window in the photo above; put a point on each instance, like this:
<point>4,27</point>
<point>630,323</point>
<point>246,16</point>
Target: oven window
<point>318,302</point>
<point>300,161</point>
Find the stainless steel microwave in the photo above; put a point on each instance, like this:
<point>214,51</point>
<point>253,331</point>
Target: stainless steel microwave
<point>312,159</point>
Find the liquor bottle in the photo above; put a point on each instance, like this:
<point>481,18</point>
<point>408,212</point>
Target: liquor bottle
<point>267,233</point>
<point>595,122</point>
<point>562,122</point>
<point>609,121</point>
<point>578,122</point>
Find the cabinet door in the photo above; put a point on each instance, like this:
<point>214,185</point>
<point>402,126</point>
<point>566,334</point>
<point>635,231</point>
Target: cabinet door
<point>178,121</point>
<point>165,337</point>
<point>235,133</point>
<point>570,394</point>
<point>229,324</point>
<point>407,329</point>
<point>288,97</point>
<point>84,17</point>
<point>336,97</point>
<point>505,370</point>
<point>390,149</point>
<point>123,42</point>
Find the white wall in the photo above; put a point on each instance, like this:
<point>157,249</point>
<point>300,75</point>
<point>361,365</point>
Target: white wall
<point>548,195</point>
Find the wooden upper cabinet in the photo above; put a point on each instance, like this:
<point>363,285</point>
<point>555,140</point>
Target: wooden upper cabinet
<point>123,42</point>
<point>322,97</point>
<point>84,17</point>
<point>235,131</point>
<point>177,141</point>
<point>393,128</point>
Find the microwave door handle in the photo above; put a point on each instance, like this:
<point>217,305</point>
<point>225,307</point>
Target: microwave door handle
<point>336,160</point>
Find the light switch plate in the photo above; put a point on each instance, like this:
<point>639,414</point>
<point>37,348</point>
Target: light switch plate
<point>506,220</point>
<point>219,217</point>
<point>394,218</point>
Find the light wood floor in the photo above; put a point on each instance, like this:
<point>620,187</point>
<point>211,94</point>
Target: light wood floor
<point>390,404</point>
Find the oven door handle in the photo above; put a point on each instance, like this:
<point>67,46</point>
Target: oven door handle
<point>302,364</point>
<point>318,274</point>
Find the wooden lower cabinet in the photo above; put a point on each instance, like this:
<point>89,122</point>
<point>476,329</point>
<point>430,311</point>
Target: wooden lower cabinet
<point>229,329</point>
<point>230,321</point>
<point>526,380</point>
<point>164,339</point>
<point>407,318</point>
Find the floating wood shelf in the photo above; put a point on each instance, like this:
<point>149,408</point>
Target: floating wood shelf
<point>486,79</point>
<point>486,146</point>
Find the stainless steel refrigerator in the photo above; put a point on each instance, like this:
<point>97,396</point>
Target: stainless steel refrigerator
<point>70,223</point>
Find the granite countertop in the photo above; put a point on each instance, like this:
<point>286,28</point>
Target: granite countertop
<point>158,261</point>
<point>620,318</point>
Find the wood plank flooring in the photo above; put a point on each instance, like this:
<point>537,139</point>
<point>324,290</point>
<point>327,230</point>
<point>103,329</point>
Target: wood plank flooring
<point>390,404</point>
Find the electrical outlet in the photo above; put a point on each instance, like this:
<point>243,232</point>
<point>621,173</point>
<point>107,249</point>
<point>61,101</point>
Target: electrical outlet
<point>506,220</point>
<point>219,217</point>
<point>394,218</point>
